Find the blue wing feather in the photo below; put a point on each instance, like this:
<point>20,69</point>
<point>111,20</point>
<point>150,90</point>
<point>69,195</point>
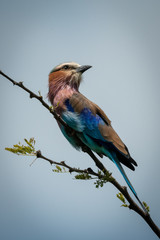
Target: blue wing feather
<point>91,122</point>
<point>86,124</point>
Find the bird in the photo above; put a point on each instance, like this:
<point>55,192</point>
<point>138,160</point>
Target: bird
<point>93,127</point>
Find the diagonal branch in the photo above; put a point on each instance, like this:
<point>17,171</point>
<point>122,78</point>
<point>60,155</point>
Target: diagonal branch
<point>123,190</point>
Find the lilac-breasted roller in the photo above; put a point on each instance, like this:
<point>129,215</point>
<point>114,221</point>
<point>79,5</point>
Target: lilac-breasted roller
<point>91,124</point>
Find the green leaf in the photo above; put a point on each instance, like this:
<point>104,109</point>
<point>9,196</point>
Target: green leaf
<point>83,176</point>
<point>122,198</point>
<point>28,142</point>
<point>59,169</point>
<point>11,150</point>
<point>146,206</point>
<point>20,149</point>
<point>103,178</point>
<point>124,205</point>
<point>51,108</point>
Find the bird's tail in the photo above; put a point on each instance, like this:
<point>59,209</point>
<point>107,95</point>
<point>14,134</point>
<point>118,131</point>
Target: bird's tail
<point>128,182</point>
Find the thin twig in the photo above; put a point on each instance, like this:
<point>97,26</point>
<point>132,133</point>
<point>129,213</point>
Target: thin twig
<point>63,164</point>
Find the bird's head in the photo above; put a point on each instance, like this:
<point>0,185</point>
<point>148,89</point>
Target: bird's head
<point>65,74</point>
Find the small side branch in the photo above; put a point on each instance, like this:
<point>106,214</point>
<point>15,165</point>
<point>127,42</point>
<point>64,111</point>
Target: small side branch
<point>63,164</point>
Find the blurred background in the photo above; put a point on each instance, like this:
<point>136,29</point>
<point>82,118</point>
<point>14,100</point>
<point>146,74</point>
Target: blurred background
<point>120,39</point>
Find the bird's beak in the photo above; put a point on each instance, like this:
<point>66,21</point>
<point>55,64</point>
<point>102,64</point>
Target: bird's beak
<point>83,68</point>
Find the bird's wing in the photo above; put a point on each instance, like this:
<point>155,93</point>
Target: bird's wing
<point>96,123</point>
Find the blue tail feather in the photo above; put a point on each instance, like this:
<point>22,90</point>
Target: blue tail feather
<point>125,176</point>
<point>127,181</point>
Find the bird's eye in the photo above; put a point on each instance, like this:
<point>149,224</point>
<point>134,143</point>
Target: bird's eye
<point>65,67</point>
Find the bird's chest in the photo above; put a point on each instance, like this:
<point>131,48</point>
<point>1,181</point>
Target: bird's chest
<point>59,101</point>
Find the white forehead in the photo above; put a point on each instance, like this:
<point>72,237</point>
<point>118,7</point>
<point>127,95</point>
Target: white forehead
<point>72,64</point>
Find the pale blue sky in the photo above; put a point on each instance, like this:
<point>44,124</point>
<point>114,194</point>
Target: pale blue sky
<point>120,39</point>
